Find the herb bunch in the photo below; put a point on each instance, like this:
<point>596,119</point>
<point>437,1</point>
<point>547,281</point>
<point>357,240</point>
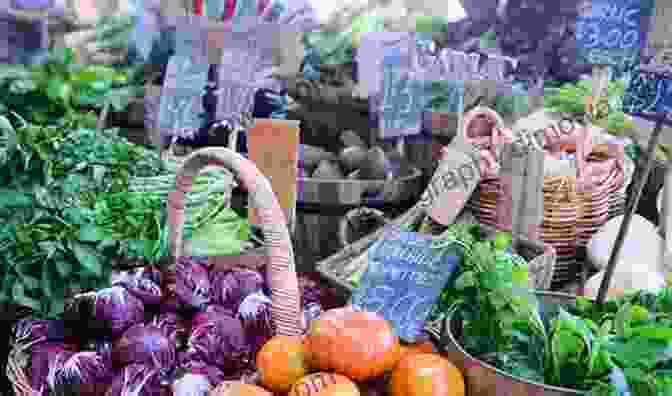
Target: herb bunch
<point>52,177</point>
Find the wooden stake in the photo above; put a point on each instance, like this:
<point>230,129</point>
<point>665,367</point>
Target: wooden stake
<point>630,210</point>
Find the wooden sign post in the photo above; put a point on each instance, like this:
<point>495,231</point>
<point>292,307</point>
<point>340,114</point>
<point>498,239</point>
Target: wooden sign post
<point>648,95</point>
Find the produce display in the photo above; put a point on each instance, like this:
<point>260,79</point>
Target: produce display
<point>354,162</point>
<point>67,213</point>
<point>46,92</point>
<point>133,337</point>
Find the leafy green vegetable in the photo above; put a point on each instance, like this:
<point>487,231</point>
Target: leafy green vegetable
<point>623,346</point>
<point>47,92</point>
<point>52,176</point>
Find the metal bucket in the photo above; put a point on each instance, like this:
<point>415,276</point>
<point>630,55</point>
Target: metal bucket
<point>483,379</point>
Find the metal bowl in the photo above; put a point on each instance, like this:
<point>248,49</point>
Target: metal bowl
<point>483,379</point>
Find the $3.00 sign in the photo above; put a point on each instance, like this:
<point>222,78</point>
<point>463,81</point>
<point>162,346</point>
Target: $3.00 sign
<point>613,32</point>
<point>404,277</point>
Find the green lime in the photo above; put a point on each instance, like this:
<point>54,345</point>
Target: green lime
<point>503,240</point>
<point>639,314</point>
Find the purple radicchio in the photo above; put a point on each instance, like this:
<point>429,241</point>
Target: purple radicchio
<point>192,385</point>
<point>42,357</point>
<point>82,373</point>
<point>311,292</point>
<point>218,338</point>
<point>255,315</point>
<point>137,380</point>
<point>145,344</point>
<point>192,287</point>
<point>173,327</point>
<point>141,286</point>
<point>28,331</point>
<point>213,374</point>
<point>231,287</point>
<point>117,309</point>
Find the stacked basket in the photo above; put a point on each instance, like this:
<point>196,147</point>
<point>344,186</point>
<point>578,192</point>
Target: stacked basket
<point>571,217</point>
<point>560,227</point>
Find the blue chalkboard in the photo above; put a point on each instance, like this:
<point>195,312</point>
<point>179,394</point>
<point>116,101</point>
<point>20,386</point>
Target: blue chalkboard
<point>181,107</point>
<point>648,94</point>
<point>402,99</point>
<point>404,278</point>
<point>613,32</point>
<point>181,112</point>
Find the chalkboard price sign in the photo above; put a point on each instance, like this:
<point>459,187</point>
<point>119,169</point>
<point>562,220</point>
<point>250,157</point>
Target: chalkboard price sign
<point>181,104</point>
<point>648,94</point>
<point>404,278</point>
<point>404,98</point>
<point>613,32</point>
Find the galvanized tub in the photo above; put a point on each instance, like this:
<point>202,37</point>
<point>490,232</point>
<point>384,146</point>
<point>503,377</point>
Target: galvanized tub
<point>483,379</point>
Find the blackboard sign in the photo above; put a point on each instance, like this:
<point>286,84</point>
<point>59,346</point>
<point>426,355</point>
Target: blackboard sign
<point>181,107</point>
<point>648,94</point>
<point>403,98</point>
<point>613,32</point>
<point>404,277</point>
<point>247,62</point>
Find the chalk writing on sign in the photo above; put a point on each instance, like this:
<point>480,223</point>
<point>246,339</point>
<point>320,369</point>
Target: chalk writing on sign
<point>648,94</point>
<point>613,31</point>
<point>403,279</point>
<point>181,104</point>
<point>402,103</point>
<point>234,98</point>
<point>460,66</point>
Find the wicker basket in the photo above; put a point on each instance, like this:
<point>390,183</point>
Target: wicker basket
<point>285,310</point>
<point>339,268</point>
<point>570,218</point>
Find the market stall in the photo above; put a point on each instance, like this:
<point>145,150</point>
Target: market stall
<point>184,265</point>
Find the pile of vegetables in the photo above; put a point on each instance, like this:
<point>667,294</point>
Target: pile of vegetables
<point>349,352</point>
<point>46,92</point>
<point>570,100</point>
<point>52,177</point>
<point>69,208</point>
<point>612,349</point>
<point>147,333</point>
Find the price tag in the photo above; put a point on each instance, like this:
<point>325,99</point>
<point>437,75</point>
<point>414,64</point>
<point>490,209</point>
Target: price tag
<point>612,32</point>
<point>181,104</point>
<point>403,100</point>
<point>234,97</point>
<point>648,94</point>
<point>404,278</point>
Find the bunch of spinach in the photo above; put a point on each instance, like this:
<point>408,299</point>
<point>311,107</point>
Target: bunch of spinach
<point>570,100</point>
<point>46,92</point>
<point>135,219</point>
<point>623,347</point>
<point>52,177</point>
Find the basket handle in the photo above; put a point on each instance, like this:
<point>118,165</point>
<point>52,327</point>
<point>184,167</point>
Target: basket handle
<point>281,271</point>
